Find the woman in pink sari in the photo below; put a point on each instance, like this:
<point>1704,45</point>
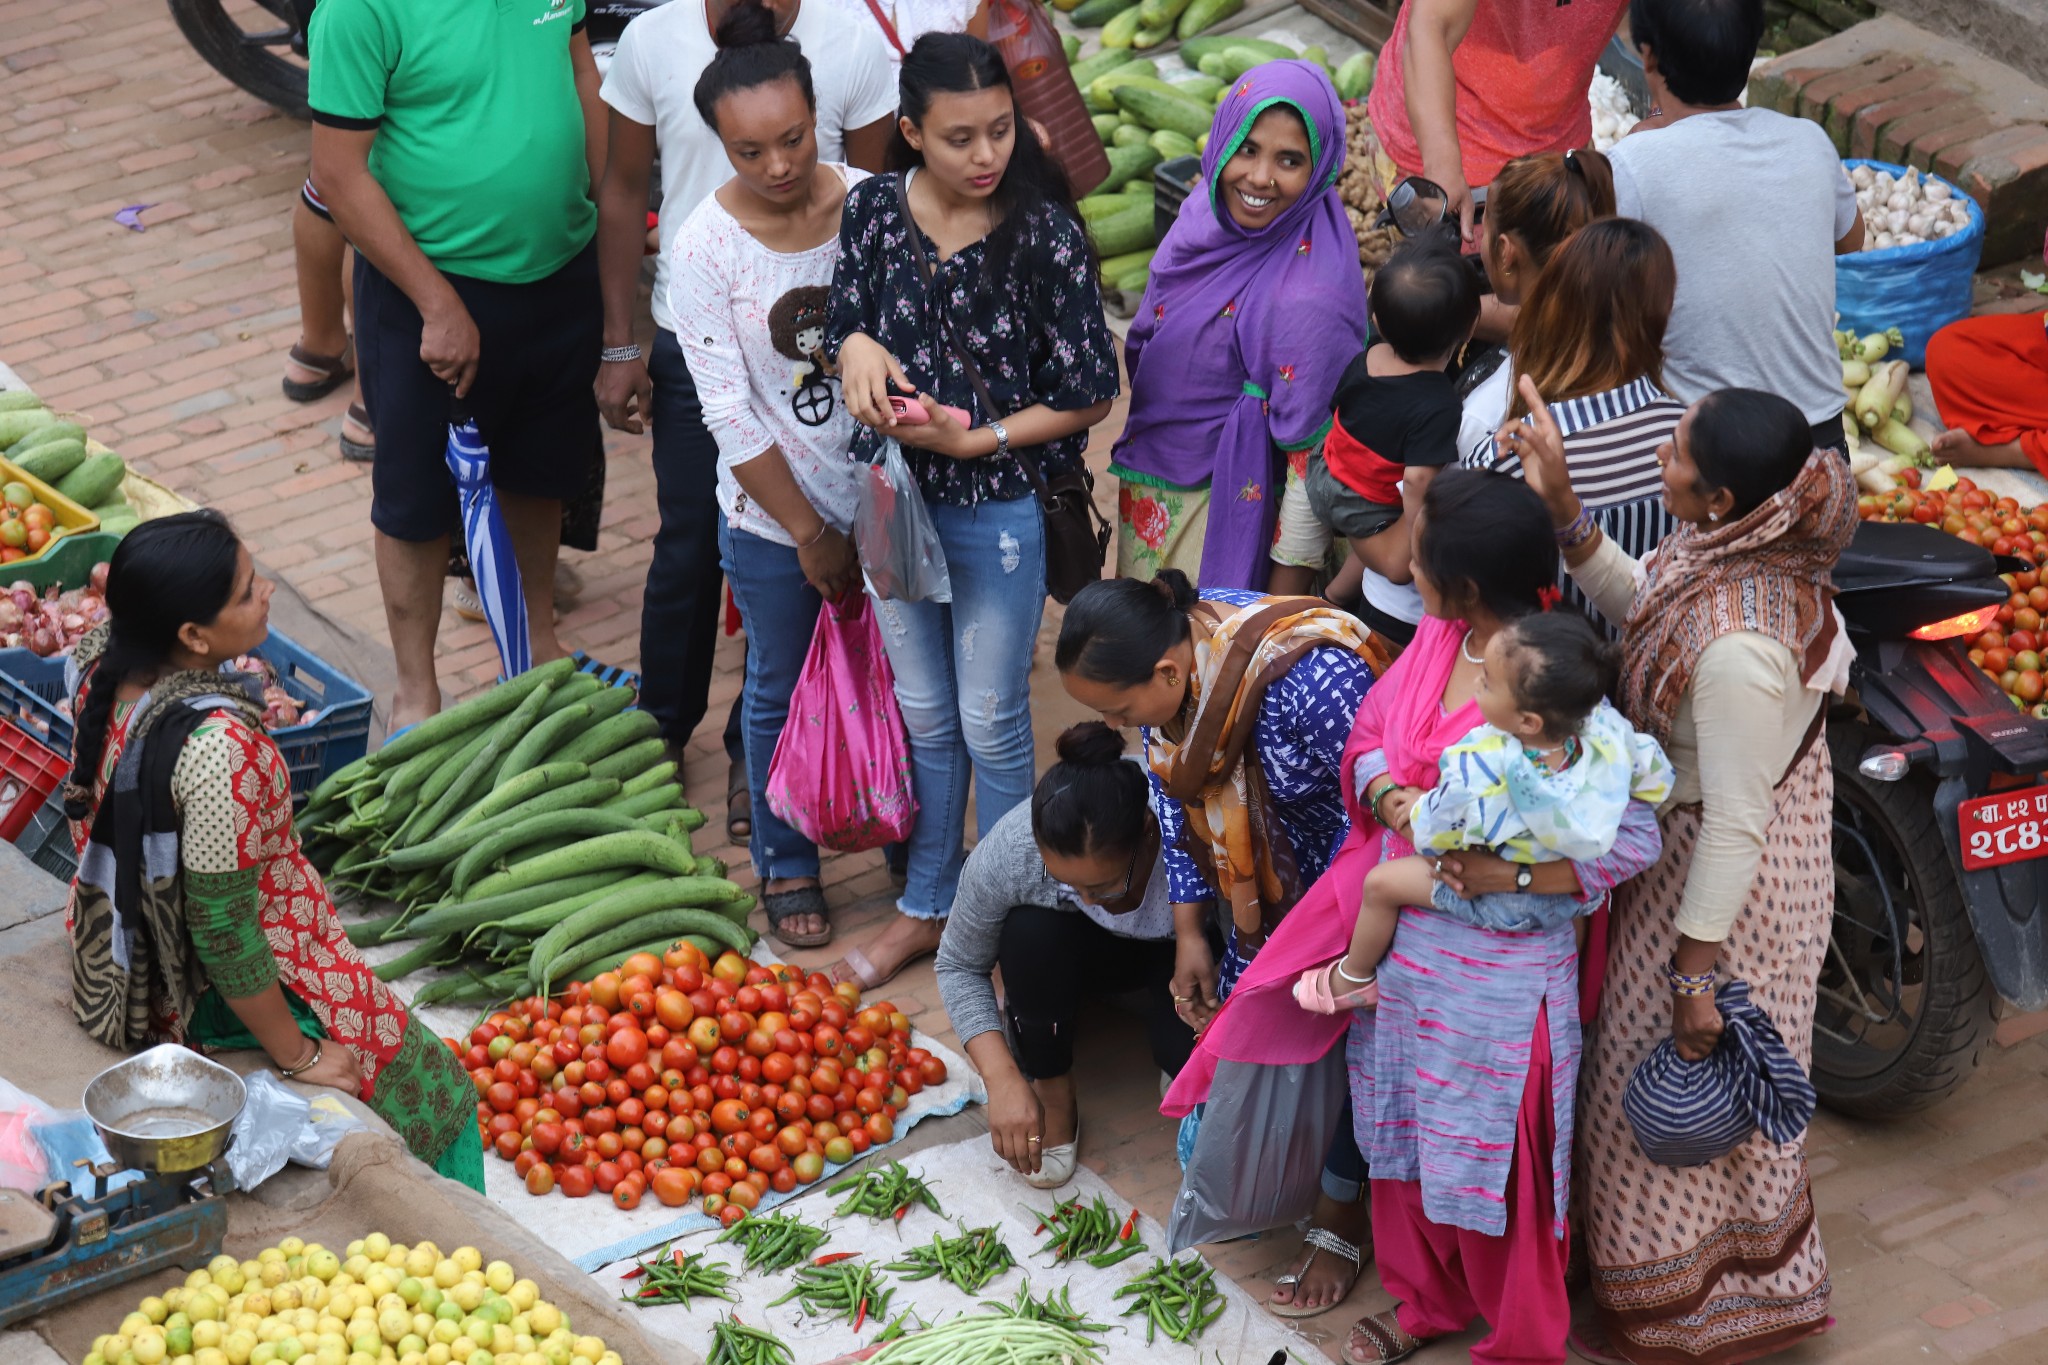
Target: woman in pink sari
<point>1462,1079</point>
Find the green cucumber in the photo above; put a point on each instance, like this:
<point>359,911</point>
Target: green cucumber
<point>1095,13</point>
<point>19,400</point>
<point>424,955</point>
<point>650,802</point>
<point>608,737</point>
<point>1088,68</point>
<point>1157,106</point>
<point>446,848</point>
<point>629,762</point>
<point>649,780</point>
<point>487,706</point>
<point>50,461</point>
<point>537,921</point>
<point>94,479</point>
<point>565,824</point>
<point>1130,135</point>
<point>1195,51</point>
<point>1134,229</point>
<point>1161,13</point>
<point>535,743</point>
<point>1120,31</point>
<point>1096,94</point>
<point>1106,126</point>
<point>19,422</point>
<point>634,849</point>
<point>634,905</point>
<point>611,948</point>
<point>1354,79</point>
<point>1171,144</point>
<point>459,917</point>
<point>1126,164</point>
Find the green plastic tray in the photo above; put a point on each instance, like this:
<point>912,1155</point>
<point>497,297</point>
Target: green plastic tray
<point>66,564</point>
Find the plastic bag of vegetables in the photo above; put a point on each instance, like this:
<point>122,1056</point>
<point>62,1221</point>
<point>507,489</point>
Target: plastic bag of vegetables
<point>1920,286</point>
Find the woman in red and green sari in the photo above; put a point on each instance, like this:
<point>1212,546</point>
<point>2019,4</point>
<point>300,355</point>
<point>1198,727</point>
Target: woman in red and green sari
<point>195,916</point>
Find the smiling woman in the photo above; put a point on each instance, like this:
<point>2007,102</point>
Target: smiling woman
<point>1255,306</point>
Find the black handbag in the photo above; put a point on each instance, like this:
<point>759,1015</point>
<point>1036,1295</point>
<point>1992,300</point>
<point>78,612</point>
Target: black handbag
<point>1076,535</point>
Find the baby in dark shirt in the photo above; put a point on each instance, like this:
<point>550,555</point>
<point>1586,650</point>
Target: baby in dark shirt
<point>1396,418</point>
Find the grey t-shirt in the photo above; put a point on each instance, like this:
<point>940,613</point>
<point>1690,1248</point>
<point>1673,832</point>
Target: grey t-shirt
<point>1752,202</point>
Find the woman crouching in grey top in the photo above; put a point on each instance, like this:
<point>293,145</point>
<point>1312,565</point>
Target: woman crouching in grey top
<point>1069,898</point>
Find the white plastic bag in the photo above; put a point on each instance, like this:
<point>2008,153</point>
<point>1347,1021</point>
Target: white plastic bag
<point>277,1125</point>
<point>1258,1155</point>
<point>900,553</point>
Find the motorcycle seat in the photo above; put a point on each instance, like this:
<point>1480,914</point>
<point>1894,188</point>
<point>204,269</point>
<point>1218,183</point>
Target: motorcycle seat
<point>1887,554</point>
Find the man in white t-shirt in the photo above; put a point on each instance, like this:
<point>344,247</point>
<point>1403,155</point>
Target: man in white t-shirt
<point>1755,240</point>
<point>649,87</point>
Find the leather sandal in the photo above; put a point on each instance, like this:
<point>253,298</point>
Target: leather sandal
<point>782,906</point>
<point>333,372</point>
<point>1317,991</point>
<point>352,450</point>
<point>1318,1241</point>
<point>1384,1333</point>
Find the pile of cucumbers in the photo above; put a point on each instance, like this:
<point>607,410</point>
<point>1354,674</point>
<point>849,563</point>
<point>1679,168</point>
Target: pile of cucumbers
<point>524,835</point>
<point>1147,117</point>
<point>1148,23</point>
<point>54,449</point>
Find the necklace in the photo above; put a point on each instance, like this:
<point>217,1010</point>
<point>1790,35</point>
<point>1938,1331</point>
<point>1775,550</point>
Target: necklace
<point>1465,650</point>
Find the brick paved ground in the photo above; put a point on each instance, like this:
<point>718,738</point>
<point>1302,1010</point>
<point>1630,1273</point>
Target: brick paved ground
<point>169,342</point>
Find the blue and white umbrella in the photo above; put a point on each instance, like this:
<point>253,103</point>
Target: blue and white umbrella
<point>491,560</point>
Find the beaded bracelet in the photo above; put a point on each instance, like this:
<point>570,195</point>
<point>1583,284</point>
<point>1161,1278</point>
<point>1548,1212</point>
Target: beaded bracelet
<point>1579,532</point>
<point>1690,984</point>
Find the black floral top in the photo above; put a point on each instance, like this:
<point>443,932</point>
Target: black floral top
<point>1038,337</point>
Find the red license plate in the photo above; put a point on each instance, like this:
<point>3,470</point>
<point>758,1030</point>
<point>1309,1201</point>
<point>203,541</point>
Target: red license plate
<point>2010,827</point>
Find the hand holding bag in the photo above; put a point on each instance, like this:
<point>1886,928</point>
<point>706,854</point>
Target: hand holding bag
<point>1076,535</point>
<point>841,772</point>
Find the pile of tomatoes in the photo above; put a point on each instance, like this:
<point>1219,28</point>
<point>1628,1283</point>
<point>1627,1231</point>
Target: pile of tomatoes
<point>2014,650</point>
<point>685,1078</point>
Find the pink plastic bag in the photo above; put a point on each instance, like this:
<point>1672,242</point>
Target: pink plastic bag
<point>841,771</point>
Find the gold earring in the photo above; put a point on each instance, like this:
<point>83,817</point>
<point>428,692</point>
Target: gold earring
<point>1172,678</point>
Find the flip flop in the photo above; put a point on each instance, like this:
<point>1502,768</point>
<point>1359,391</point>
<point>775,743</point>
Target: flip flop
<point>739,804</point>
<point>1318,1241</point>
<point>781,906</point>
<point>334,371</point>
<point>854,966</point>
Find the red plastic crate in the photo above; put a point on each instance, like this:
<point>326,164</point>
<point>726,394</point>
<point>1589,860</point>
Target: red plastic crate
<point>30,774</point>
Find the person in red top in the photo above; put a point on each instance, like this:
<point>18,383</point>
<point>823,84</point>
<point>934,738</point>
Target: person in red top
<point>1990,381</point>
<point>1466,86</point>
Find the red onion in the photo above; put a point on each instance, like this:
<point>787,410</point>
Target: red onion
<point>98,577</point>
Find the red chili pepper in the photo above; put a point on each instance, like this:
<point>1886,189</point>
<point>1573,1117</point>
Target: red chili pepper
<point>861,1316</point>
<point>677,1256</point>
<point>635,1273</point>
<point>900,1212</point>
<point>1129,1223</point>
<point>834,1257</point>
<point>651,1291</point>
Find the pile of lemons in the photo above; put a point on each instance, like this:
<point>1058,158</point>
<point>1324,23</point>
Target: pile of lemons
<point>382,1303</point>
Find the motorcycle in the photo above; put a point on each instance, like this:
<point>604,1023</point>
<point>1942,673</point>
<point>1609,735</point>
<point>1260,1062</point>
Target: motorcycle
<point>260,45</point>
<point>1940,832</point>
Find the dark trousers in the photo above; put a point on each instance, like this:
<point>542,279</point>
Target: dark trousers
<point>1830,436</point>
<point>1052,960</point>
<point>684,601</point>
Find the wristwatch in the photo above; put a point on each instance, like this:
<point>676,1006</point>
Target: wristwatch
<point>1002,439</point>
<point>1524,875</point>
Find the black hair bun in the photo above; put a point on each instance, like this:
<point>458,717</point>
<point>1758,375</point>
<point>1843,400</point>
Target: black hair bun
<point>1090,744</point>
<point>745,24</point>
<point>1174,586</point>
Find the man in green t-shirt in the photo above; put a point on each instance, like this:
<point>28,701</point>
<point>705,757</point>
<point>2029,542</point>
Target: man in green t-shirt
<point>456,144</point>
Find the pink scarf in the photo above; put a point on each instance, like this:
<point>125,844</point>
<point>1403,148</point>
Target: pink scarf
<point>1403,715</point>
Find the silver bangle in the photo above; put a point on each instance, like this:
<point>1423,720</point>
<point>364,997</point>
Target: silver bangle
<point>619,355</point>
<point>303,1067</point>
<point>1002,438</point>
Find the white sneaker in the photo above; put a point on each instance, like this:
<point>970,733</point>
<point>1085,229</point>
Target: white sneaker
<point>1056,1164</point>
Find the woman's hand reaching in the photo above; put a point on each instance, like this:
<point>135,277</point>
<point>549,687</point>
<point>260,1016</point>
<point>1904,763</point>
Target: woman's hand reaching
<point>1193,984</point>
<point>1016,1124</point>
<point>337,1068</point>
<point>866,373</point>
<point>1539,445</point>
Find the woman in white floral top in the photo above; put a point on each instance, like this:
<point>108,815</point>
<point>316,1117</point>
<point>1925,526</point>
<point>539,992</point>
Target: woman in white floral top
<point>748,285</point>
<point>991,217</point>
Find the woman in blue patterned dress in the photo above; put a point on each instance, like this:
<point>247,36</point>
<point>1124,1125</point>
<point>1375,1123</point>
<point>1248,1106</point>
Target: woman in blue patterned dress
<point>972,248</point>
<point>1244,702</point>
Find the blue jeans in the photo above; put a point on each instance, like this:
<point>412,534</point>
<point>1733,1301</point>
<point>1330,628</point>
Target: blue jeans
<point>963,681</point>
<point>779,610</point>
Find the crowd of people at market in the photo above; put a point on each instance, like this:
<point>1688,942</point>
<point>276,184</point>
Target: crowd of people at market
<point>1473,617</point>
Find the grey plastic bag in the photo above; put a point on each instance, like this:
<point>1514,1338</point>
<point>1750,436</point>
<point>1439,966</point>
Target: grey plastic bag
<point>278,1125</point>
<point>900,553</point>
<point>1258,1156</point>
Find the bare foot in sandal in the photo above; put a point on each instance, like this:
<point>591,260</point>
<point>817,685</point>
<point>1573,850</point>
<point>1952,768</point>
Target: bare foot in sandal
<point>1323,1277</point>
<point>1381,1340</point>
<point>795,907</point>
<point>902,943</point>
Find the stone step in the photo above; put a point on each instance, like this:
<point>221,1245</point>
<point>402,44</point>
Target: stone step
<point>1889,90</point>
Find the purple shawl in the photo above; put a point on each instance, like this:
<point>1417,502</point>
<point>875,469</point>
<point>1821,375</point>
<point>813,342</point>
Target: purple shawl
<point>1242,337</point>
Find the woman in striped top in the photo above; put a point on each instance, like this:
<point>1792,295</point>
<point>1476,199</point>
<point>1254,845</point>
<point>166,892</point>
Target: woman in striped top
<point>1592,332</point>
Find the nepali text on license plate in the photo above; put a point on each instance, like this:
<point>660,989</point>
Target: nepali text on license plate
<point>2009,827</point>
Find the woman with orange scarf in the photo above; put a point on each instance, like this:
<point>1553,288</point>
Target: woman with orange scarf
<point>1245,702</point>
<point>1731,647</point>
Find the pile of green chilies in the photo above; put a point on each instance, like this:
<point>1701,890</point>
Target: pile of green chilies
<point>968,1261</point>
<point>673,1278</point>
<point>889,1192</point>
<point>774,1243</point>
<point>1179,1298</point>
<point>848,1288</point>
<point>1089,1232</point>
<point>1055,1308</point>
<point>735,1343</point>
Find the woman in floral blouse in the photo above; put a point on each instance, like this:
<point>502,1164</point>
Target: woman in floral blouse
<point>991,251</point>
<point>230,941</point>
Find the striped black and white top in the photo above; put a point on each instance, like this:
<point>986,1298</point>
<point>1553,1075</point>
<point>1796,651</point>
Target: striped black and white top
<point>1610,446</point>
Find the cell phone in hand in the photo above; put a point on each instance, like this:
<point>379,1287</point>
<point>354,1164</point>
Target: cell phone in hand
<point>912,413</point>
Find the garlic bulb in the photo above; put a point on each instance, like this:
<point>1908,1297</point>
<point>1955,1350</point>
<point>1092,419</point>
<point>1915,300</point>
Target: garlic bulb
<point>1863,177</point>
<point>1936,191</point>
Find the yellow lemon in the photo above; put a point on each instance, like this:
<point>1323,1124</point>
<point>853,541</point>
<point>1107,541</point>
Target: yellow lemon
<point>135,1324</point>
<point>209,1355</point>
<point>149,1349</point>
<point>393,1323</point>
<point>589,1348</point>
<point>292,1246</point>
<point>460,1348</point>
<point>499,1276</point>
<point>322,1264</point>
<point>437,1353</point>
<point>420,1262</point>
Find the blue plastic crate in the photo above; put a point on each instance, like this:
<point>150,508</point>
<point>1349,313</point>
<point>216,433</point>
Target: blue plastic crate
<point>32,687</point>
<point>47,841</point>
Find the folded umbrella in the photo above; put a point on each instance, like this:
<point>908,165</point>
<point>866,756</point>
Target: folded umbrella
<point>491,561</point>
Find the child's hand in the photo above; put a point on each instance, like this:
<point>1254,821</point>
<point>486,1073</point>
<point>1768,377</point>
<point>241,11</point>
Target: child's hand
<point>1395,807</point>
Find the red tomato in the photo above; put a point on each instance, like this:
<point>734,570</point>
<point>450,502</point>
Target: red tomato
<point>577,1181</point>
<point>627,1047</point>
<point>880,1128</point>
<point>626,1195</point>
<point>673,1186</point>
<point>730,1116</point>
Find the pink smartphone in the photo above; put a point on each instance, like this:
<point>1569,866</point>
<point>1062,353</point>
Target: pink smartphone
<point>911,412</point>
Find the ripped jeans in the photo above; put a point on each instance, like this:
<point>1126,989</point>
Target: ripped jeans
<point>963,681</point>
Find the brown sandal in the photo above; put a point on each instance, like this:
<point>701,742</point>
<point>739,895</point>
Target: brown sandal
<point>1384,1333</point>
<point>358,452</point>
<point>333,372</point>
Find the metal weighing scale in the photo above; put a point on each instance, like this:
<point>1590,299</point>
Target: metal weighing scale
<point>168,1114</point>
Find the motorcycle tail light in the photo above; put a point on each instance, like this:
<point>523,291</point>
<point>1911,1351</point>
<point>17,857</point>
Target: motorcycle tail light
<point>1969,623</point>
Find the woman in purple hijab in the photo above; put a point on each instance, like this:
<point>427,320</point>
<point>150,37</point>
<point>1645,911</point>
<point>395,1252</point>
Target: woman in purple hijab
<point>1255,306</point>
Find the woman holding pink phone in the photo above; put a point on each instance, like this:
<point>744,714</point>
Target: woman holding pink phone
<point>751,270</point>
<point>970,254</point>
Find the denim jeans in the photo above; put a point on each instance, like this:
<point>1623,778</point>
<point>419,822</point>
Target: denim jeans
<point>681,607</point>
<point>963,681</point>
<point>779,610</point>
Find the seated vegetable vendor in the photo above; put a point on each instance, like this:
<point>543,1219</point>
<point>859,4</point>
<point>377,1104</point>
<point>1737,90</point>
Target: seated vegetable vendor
<point>195,917</point>
<point>1069,897</point>
<point>1990,381</point>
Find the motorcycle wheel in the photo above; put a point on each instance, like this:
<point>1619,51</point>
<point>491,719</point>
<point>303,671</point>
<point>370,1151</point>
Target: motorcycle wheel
<point>254,43</point>
<point>1904,1005</point>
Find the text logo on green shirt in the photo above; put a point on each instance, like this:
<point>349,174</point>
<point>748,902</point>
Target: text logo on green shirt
<point>557,9</point>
